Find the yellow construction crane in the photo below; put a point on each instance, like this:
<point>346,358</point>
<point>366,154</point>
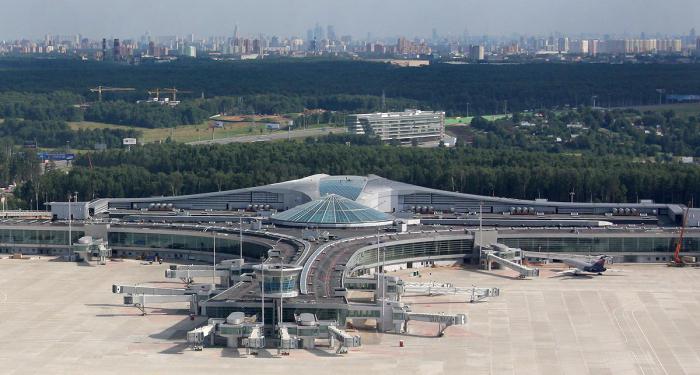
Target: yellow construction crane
<point>173,91</point>
<point>100,89</point>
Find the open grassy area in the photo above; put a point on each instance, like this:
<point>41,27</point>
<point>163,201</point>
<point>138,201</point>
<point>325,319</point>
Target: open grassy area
<point>185,133</point>
<point>191,133</point>
<point>96,125</point>
<point>681,109</point>
<point>468,120</point>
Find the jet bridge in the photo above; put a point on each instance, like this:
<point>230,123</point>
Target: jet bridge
<point>227,271</point>
<point>287,342</point>
<point>196,337</point>
<point>395,288</point>
<point>475,294</point>
<point>344,339</point>
<point>508,258</point>
<point>140,296</point>
<point>443,321</point>
<point>247,332</point>
<point>255,341</point>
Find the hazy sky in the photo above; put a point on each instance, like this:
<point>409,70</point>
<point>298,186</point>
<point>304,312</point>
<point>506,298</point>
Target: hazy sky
<point>130,18</point>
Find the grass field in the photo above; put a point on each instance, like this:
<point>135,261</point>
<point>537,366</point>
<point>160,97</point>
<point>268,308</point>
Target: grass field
<point>184,133</point>
<point>681,109</point>
<point>468,120</point>
<point>189,133</point>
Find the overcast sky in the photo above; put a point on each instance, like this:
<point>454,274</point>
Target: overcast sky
<point>131,18</point>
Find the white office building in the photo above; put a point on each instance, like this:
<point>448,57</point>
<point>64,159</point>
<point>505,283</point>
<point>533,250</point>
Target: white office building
<point>401,126</point>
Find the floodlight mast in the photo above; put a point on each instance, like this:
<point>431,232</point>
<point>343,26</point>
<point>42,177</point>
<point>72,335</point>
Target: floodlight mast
<point>262,290</point>
<point>213,271</point>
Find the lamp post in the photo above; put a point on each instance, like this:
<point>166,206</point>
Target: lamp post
<point>213,271</point>
<point>262,290</point>
<point>383,281</point>
<point>377,254</point>
<point>70,224</point>
<point>240,248</point>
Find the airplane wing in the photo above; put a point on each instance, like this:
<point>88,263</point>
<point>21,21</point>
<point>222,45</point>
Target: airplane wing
<point>569,272</point>
<point>615,270</point>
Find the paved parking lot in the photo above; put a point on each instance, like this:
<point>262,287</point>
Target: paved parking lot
<point>60,317</point>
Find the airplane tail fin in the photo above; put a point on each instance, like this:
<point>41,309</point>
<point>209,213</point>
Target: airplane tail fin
<point>599,265</point>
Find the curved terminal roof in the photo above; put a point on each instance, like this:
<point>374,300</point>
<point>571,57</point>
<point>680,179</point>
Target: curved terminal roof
<point>334,211</point>
<point>346,186</point>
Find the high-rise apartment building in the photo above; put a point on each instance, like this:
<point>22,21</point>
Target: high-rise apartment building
<point>476,53</point>
<point>116,49</point>
<point>563,44</point>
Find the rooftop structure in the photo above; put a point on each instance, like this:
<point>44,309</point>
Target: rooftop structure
<point>399,126</point>
<point>332,211</point>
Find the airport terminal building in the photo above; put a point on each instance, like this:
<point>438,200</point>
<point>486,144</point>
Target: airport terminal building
<point>313,239</point>
<point>359,206</point>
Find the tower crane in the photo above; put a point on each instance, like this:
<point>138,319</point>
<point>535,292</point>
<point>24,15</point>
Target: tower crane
<point>100,89</point>
<point>173,91</point>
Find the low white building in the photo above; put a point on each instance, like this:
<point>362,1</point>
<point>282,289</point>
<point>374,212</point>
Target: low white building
<point>402,126</point>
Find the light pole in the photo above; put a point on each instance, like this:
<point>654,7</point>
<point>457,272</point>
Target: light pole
<point>213,271</point>
<point>281,294</point>
<point>383,280</point>
<point>70,223</point>
<point>240,248</point>
<point>262,290</point>
<point>481,226</point>
<point>377,254</point>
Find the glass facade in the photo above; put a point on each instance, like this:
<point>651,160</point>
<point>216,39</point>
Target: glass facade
<point>277,284</point>
<point>348,186</point>
<point>603,244</point>
<point>413,250</point>
<point>185,242</point>
<point>35,236</point>
<point>331,209</point>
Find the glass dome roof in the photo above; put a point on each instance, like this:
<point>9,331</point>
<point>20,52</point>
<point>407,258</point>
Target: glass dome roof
<point>332,211</point>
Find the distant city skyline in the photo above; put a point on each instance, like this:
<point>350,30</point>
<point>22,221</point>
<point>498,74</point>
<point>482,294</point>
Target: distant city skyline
<point>380,18</point>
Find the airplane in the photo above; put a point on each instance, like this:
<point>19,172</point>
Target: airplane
<point>579,267</point>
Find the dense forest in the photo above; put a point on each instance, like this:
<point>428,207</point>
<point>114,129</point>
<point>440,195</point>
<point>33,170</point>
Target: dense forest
<point>621,132</point>
<point>59,134</point>
<point>479,88</point>
<point>170,169</point>
<point>16,166</point>
<point>66,106</point>
<point>602,155</point>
